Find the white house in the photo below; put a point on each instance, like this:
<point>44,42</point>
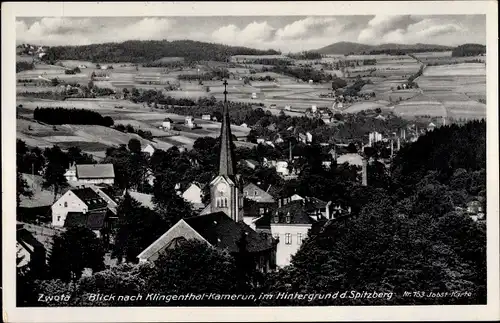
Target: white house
<point>282,168</point>
<point>289,225</point>
<point>374,137</point>
<point>71,173</point>
<point>193,195</point>
<point>149,149</point>
<point>206,117</point>
<point>309,137</point>
<point>95,174</point>
<point>314,109</point>
<point>167,123</point>
<point>189,122</point>
<point>76,200</point>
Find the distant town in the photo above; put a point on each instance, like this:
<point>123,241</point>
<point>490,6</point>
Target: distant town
<point>177,167</point>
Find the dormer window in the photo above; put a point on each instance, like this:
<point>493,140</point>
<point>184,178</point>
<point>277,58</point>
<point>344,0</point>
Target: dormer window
<point>288,218</point>
<point>276,218</point>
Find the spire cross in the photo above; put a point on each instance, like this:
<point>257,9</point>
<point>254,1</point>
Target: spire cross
<point>225,90</point>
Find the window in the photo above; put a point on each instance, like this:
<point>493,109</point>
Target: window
<point>262,211</point>
<point>299,238</point>
<point>65,204</point>
<point>276,218</point>
<point>288,218</point>
<point>58,218</point>
<point>288,238</point>
<point>255,193</point>
<point>225,202</point>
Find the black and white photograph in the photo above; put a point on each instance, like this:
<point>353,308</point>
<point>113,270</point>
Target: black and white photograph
<point>255,161</point>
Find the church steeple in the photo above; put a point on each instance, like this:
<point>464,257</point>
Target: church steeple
<point>227,166</point>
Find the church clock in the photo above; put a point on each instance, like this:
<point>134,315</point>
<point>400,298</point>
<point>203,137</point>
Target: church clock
<point>222,189</point>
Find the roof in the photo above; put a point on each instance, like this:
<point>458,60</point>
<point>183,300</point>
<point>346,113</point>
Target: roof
<point>91,220</point>
<point>251,161</point>
<point>95,171</point>
<point>90,197</point>
<point>27,240</point>
<point>224,233</point>
<point>146,200</point>
<point>262,196</point>
<point>227,158</point>
<point>298,213</point>
<point>353,159</point>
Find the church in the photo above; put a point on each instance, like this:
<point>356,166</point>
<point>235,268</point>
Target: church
<point>221,223</point>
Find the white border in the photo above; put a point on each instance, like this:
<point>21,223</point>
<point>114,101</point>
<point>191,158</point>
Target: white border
<point>341,313</point>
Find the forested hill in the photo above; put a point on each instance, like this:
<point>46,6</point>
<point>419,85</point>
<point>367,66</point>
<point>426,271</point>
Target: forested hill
<point>346,48</point>
<point>469,50</point>
<point>146,51</point>
<point>443,150</point>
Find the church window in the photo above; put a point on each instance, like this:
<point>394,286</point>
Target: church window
<point>288,238</point>
<point>225,202</point>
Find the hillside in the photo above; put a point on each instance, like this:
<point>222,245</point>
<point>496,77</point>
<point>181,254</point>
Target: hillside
<point>468,50</point>
<point>343,48</point>
<point>148,51</point>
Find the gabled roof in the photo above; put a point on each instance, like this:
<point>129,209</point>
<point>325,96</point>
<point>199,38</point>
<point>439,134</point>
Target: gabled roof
<point>90,197</point>
<point>91,220</point>
<point>27,240</point>
<point>262,196</point>
<point>145,200</point>
<point>298,213</point>
<point>95,171</point>
<point>224,233</point>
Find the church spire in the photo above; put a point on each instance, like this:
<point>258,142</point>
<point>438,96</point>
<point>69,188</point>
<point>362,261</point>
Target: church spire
<point>227,165</point>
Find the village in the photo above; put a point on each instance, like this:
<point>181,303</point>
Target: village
<point>273,168</point>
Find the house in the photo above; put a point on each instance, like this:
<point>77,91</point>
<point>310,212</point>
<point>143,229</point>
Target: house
<point>352,159</point>
<point>278,139</point>
<point>193,194</point>
<point>289,225</point>
<point>309,137</point>
<point>272,127</point>
<point>244,125</point>
<point>71,173</point>
<point>97,221</point>
<point>258,203</point>
<point>167,124</point>
<point>219,231</point>
<point>261,140</point>
<point>380,117</point>
<point>76,200</point>
<point>255,193</point>
<point>31,253</point>
<point>431,127</point>
<point>149,149</point>
<point>303,138</point>
<point>95,174</point>
<point>108,195</point>
<point>374,137</point>
<point>206,117</point>
<point>250,163</point>
<point>189,122</point>
<point>282,168</point>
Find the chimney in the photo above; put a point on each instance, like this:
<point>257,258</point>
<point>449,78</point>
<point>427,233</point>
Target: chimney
<point>365,172</point>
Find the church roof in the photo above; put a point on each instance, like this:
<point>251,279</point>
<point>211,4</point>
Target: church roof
<point>227,165</point>
<point>224,233</point>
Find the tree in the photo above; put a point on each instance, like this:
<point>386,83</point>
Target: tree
<point>195,267</point>
<point>57,163</point>
<point>134,145</point>
<point>74,250</point>
<point>170,206</point>
<point>137,228</point>
<point>22,188</point>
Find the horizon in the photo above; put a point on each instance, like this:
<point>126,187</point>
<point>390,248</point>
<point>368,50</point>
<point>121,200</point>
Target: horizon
<point>282,33</point>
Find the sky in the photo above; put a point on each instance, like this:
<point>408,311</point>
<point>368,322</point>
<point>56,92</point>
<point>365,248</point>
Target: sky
<point>285,33</point>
